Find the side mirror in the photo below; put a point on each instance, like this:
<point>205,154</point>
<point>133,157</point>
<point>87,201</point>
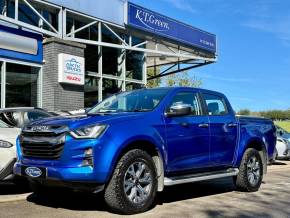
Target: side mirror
<point>179,110</point>
<point>280,133</point>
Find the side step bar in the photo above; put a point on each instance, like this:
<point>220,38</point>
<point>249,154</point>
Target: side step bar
<point>200,177</point>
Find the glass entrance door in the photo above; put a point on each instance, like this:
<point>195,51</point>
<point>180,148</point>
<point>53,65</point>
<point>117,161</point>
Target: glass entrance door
<point>21,85</point>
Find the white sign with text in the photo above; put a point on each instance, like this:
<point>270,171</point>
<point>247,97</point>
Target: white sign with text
<point>71,69</point>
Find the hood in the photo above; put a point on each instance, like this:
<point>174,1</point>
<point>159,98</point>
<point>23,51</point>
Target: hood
<point>74,122</point>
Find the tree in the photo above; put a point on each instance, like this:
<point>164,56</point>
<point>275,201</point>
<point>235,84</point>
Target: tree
<point>182,79</point>
<point>244,112</point>
<point>154,82</point>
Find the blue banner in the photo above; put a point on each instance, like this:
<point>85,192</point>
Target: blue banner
<point>20,45</point>
<point>150,21</point>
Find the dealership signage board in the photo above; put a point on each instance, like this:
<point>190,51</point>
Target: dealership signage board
<point>150,21</point>
<point>109,10</point>
<point>71,69</point>
<point>20,45</point>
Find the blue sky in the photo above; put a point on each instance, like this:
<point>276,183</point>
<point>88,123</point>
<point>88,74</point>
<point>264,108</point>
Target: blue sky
<point>253,67</point>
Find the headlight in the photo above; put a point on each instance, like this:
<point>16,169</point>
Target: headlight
<point>5,144</point>
<point>88,132</point>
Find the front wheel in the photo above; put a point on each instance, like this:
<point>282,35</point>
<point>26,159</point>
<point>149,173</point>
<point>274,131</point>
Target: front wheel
<point>133,186</point>
<point>250,172</point>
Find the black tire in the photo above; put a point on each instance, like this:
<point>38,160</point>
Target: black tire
<point>242,180</point>
<point>115,195</point>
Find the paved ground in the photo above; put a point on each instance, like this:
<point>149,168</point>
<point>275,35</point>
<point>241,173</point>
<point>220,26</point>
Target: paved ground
<point>205,199</point>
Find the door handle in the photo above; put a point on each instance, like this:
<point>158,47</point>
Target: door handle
<point>232,125</point>
<point>203,125</point>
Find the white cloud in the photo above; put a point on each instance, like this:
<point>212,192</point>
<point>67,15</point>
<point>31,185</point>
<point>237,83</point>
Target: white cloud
<point>279,28</point>
<point>269,17</point>
<point>184,5</point>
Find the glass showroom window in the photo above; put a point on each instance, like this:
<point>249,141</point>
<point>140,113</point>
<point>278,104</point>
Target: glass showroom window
<point>135,65</point>
<point>135,60</point>
<point>112,57</point>
<point>21,85</point>
<point>112,64</point>
<point>92,59</point>
<point>91,91</point>
<point>111,87</point>
<point>27,15</point>
<point>131,86</point>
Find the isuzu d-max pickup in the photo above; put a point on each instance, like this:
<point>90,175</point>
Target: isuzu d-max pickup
<point>134,143</point>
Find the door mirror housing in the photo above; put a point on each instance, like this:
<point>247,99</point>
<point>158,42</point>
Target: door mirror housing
<point>179,110</point>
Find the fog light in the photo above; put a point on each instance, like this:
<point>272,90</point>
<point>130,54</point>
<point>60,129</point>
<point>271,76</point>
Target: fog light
<point>88,159</point>
<point>89,152</point>
<point>87,162</point>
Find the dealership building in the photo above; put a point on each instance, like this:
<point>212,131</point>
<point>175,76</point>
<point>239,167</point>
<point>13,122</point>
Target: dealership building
<point>66,55</point>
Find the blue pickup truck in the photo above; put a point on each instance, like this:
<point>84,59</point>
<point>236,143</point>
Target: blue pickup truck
<point>134,143</point>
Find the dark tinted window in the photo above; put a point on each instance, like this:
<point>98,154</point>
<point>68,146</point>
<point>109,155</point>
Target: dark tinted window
<point>215,105</point>
<point>189,98</point>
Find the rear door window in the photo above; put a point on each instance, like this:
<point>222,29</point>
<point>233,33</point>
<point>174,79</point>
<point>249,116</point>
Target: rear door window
<point>216,105</point>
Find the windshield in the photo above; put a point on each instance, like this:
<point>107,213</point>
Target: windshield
<point>132,101</point>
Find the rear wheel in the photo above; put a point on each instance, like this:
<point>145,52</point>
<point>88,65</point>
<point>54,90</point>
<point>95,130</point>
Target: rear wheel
<point>133,186</point>
<point>250,172</point>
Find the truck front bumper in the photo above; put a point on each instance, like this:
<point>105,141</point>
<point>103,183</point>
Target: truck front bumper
<point>78,178</point>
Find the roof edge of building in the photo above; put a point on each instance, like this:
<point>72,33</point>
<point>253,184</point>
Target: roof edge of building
<point>65,42</point>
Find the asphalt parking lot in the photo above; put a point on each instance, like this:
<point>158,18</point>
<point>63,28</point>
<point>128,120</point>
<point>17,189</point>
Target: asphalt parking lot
<point>204,199</point>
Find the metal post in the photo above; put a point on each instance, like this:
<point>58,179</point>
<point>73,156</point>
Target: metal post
<point>145,69</point>
<point>40,88</point>
<point>100,63</point>
<point>63,23</point>
<point>3,84</point>
<point>40,23</point>
<point>122,58</point>
<point>16,10</point>
<point>60,23</point>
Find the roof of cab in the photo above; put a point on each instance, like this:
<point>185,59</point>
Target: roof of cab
<point>190,88</point>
